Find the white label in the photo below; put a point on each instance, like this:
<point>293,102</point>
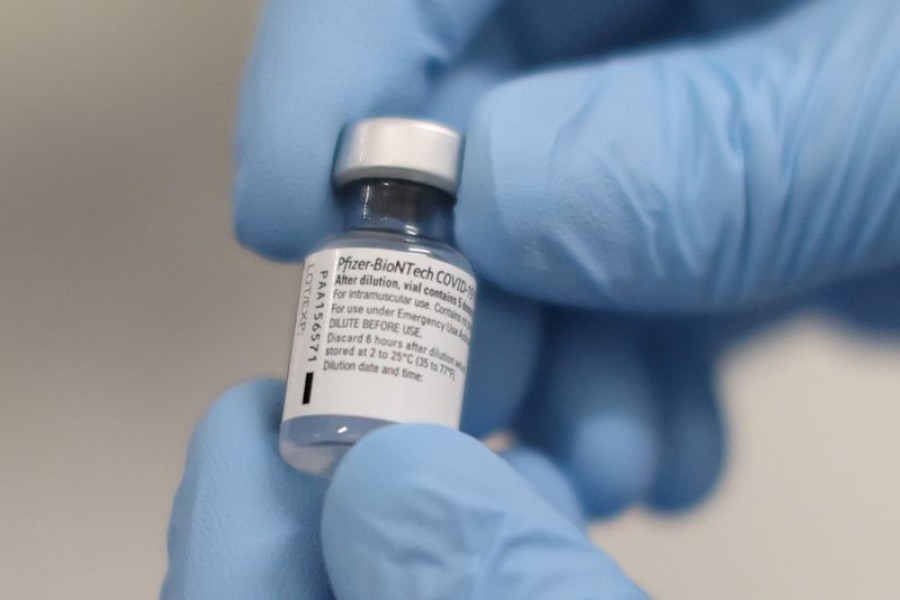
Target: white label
<point>381,334</point>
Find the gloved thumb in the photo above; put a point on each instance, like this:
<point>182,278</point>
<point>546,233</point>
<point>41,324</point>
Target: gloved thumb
<point>695,177</point>
<point>421,511</point>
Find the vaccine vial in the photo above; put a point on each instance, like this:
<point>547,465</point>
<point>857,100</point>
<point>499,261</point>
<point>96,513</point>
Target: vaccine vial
<point>386,306</point>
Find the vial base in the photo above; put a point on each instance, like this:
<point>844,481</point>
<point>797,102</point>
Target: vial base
<point>317,443</point>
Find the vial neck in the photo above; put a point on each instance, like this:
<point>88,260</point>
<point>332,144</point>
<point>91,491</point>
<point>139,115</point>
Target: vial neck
<point>401,207</point>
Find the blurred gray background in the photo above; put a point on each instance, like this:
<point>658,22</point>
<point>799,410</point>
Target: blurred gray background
<point>126,307</point>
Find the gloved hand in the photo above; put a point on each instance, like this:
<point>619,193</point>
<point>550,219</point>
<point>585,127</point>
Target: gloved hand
<point>414,511</point>
<point>684,180</point>
<point>690,178</point>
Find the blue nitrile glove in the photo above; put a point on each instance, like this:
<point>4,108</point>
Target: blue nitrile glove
<point>414,511</point>
<point>691,177</point>
<point>706,174</point>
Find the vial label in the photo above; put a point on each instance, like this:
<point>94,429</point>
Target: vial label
<point>381,334</point>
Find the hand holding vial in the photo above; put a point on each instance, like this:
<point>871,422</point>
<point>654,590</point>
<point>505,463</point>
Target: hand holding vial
<point>627,214</point>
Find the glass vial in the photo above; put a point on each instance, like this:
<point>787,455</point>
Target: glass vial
<point>386,307</point>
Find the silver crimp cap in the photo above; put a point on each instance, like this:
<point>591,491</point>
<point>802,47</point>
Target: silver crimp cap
<point>398,148</point>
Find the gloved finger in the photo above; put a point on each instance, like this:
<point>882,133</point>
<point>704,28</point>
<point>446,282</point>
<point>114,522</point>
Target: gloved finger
<point>315,66</point>
<point>421,511</point>
<point>692,453</point>
<point>593,410</point>
<point>244,524</point>
<point>699,177</point>
<point>506,340</point>
<point>547,480</point>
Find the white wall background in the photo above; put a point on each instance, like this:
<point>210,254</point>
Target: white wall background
<point>125,307</point>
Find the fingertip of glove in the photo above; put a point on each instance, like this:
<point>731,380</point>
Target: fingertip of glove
<point>273,227</point>
<point>267,238</point>
<point>693,461</point>
<point>613,461</point>
<point>672,497</point>
<point>282,198</point>
<point>254,401</point>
